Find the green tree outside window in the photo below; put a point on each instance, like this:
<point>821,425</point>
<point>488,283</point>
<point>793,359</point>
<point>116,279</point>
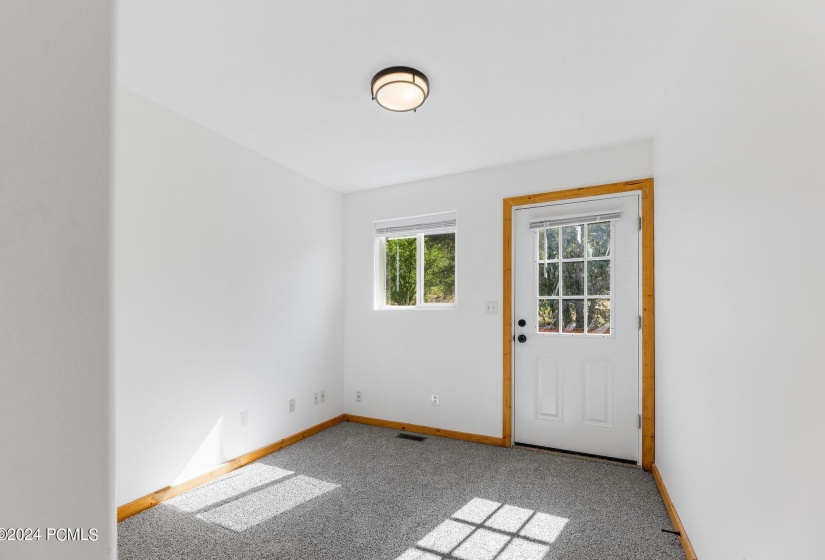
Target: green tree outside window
<point>437,269</point>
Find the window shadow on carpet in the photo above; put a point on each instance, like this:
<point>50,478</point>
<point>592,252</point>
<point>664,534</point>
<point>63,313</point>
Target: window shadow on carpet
<point>249,496</point>
<point>487,530</point>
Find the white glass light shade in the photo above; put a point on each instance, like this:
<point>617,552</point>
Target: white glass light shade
<point>400,89</point>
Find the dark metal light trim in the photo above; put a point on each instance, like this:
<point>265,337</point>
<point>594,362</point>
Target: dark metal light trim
<point>416,76</point>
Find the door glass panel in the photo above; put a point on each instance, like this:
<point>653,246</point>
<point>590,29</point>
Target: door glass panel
<point>598,316</point>
<point>598,239</point>
<point>573,315</point>
<point>400,256</point>
<point>549,315</point>
<point>572,274</point>
<point>598,278</point>
<point>572,246</point>
<point>579,273</point>
<point>548,279</point>
<point>548,244</point>
<point>439,268</point>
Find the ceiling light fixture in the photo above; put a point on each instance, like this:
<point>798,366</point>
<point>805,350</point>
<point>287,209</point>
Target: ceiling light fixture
<point>400,88</point>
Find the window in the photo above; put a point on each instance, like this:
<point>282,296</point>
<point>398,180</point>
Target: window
<point>574,280</point>
<point>415,262</point>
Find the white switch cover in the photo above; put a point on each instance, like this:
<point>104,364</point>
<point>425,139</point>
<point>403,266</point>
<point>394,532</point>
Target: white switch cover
<point>491,307</point>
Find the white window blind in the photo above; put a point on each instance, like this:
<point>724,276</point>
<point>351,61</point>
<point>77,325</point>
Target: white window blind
<point>416,224</point>
<point>571,220</point>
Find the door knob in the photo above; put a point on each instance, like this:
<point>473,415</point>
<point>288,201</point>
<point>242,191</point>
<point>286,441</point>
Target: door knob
<point>522,322</point>
<point>522,338</point>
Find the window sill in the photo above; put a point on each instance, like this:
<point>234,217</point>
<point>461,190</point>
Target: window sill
<point>431,307</point>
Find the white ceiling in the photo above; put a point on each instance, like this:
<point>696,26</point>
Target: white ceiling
<point>510,80</point>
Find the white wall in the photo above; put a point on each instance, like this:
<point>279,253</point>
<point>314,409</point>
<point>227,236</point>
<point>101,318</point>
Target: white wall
<point>228,298</point>
<point>55,119</point>
<point>739,273</point>
<point>398,358</point>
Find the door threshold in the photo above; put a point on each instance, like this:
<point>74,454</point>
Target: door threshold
<point>577,454</point>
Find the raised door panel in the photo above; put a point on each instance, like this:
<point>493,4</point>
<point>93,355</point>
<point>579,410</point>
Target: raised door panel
<point>597,393</point>
<point>549,389</point>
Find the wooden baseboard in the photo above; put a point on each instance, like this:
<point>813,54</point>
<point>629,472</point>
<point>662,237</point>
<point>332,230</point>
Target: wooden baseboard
<point>153,499</point>
<point>674,517</point>
<point>475,438</point>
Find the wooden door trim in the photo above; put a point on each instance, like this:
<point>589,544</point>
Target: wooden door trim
<point>645,188</point>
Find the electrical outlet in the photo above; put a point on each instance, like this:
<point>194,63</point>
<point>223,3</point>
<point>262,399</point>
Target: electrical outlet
<point>292,405</point>
<point>315,399</point>
<point>244,419</point>
<point>358,396</point>
<point>435,400</point>
<point>491,307</point>
<point>323,396</point>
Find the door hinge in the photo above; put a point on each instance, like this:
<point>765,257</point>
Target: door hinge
<point>640,421</point>
<point>640,224</point>
<point>640,322</point>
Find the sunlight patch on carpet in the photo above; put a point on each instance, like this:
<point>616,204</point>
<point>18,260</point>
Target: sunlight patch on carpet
<point>228,486</point>
<point>253,509</point>
<point>487,530</point>
<point>446,536</point>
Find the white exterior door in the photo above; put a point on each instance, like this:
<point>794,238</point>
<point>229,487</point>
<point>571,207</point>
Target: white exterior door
<point>576,314</point>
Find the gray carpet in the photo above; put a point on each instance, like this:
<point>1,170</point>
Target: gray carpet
<point>356,492</point>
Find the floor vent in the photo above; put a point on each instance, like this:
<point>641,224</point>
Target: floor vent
<point>411,437</point>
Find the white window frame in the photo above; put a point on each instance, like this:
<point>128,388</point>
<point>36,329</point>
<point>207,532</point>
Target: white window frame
<point>380,291</point>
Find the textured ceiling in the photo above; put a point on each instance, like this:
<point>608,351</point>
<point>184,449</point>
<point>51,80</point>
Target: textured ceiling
<point>510,81</point>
